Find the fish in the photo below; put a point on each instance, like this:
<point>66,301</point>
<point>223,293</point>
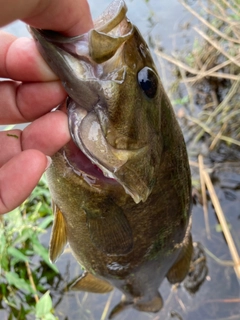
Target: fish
<point>121,188</point>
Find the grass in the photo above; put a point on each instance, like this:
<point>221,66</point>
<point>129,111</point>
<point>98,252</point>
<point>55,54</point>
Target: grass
<point>213,63</point>
<point>23,281</point>
<point>208,80</point>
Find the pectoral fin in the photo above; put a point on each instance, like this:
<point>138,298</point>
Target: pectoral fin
<point>180,268</point>
<point>90,283</point>
<point>109,229</point>
<point>58,239</point>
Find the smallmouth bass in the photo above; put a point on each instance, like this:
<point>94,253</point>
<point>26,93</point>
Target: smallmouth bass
<point>121,188</point>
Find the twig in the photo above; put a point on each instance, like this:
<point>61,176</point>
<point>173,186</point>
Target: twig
<point>189,92</point>
<point>175,61</point>
<point>204,196</point>
<point>231,7</point>
<point>222,18</point>
<point>230,140</point>
<point>208,24</point>
<point>199,74</point>
<point>200,124</point>
<point>217,46</point>
<point>225,263</point>
<point>107,305</point>
<point>194,164</point>
<point>222,220</point>
<point>29,272</point>
<point>220,107</point>
<point>211,72</point>
<point>218,136</point>
<point>181,304</point>
<point>233,300</point>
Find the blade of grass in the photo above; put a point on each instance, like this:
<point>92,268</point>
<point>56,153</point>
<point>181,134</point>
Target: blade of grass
<point>30,277</point>
<point>217,46</point>
<point>200,74</point>
<point>225,263</point>
<point>107,305</point>
<point>223,222</point>
<point>209,25</point>
<point>204,196</point>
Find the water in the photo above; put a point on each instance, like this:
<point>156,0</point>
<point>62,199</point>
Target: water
<point>164,22</point>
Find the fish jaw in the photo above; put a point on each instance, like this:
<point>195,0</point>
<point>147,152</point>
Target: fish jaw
<point>87,133</point>
<point>97,69</point>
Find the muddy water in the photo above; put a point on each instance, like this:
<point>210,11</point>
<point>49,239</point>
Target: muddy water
<point>212,290</point>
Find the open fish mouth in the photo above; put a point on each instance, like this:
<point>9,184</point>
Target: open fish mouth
<point>108,163</point>
<point>93,70</point>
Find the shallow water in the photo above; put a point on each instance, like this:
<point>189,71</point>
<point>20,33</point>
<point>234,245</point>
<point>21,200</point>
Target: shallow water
<point>164,22</point>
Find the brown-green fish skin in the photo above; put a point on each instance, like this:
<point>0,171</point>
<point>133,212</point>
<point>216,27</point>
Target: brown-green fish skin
<point>133,228</point>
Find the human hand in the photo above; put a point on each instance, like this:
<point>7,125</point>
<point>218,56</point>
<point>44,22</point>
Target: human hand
<point>31,96</point>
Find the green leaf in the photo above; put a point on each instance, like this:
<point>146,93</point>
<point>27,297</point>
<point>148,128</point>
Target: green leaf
<point>43,252</point>
<point>181,101</point>
<point>22,284</point>
<point>218,227</point>
<point>17,254</point>
<point>50,316</point>
<point>44,305</point>
<point>46,222</point>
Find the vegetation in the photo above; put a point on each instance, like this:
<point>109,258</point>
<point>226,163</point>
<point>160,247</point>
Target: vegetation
<point>24,277</point>
<point>209,75</point>
<point>206,91</point>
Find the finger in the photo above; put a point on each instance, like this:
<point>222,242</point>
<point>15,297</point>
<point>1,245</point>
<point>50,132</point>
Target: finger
<point>69,16</point>
<point>47,134</point>
<point>19,176</point>
<point>10,142</point>
<point>20,60</point>
<point>24,102</point>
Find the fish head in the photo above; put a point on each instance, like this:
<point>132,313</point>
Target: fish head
<point>114,103</point>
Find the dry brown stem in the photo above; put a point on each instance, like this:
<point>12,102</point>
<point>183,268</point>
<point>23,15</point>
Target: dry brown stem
<point>223,222</point>
<point>204,196</point>
<point>200,74</point>
<point>30,277</point>
<point>205,22</point>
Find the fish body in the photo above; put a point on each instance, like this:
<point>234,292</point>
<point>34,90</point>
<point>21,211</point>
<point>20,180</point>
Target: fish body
<point>121,188</point>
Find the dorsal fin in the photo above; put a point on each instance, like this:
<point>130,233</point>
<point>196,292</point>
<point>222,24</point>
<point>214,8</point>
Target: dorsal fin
<point>58,239</point>
<point>90,283</point>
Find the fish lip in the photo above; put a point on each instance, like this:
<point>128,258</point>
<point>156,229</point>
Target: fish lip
<point>76,115</point>
<point>53,36</point>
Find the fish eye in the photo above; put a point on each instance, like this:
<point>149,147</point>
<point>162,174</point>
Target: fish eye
<point>148,81</point>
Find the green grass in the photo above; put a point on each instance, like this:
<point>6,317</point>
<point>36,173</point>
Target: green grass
<point>24,277</point>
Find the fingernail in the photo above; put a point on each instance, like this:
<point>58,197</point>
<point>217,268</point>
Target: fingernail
<point>49,162</point>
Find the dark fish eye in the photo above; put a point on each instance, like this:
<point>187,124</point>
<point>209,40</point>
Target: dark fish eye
<point>148,81</point>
